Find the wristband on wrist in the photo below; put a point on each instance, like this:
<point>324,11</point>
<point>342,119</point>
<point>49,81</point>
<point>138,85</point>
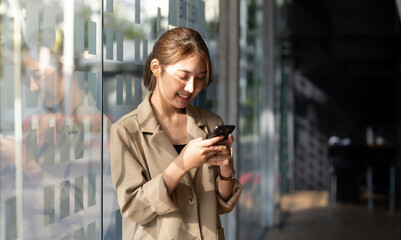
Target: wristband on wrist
<point>230,178</point>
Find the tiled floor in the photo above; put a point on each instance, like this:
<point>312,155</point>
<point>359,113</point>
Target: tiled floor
<point>305,216</point>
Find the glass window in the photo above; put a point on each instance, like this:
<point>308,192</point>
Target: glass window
<point>250,80</point>
<point>259,91</point>
<point>69,69</point>
<point>51,120</point>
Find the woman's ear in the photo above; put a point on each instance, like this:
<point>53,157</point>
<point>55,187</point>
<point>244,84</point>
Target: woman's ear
<point>155,67</point>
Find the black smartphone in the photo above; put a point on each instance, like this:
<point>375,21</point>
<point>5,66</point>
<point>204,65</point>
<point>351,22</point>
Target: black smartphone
<point>224,130</point>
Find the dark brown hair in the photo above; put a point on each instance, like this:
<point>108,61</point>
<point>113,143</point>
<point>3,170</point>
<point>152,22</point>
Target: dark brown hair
<point>173,46</point>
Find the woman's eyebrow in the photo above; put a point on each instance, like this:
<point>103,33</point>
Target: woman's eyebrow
<point>186,71</point>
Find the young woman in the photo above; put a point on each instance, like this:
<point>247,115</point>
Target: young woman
<point>172,182</point>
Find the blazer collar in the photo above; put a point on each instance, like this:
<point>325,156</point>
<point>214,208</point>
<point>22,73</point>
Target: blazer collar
<point>146,116</point>
<point>149,124</point>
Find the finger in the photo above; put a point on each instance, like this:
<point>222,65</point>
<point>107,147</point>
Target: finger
<point>211,153</point>
<point>213,141</point>
<point>227,141</point>
<point>231,138</point>
<point>218,158</point>
<point>223,154</point>
<point>218,147</point>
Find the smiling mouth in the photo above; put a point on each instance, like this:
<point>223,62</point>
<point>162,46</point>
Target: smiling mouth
<point>185,97</point>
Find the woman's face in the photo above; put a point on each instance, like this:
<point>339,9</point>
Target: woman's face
<point>181,82</point>
<point>45,81</point>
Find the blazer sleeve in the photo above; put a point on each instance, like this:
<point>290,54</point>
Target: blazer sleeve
<point>227,206</point>
<point>140,198</point>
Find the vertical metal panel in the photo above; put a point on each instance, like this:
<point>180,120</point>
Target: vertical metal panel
<point>202,18</point>
<point>80,77</point>
<point>10,218</point>
<point>137,93</point>
<point>93,89</point>
<point>79,194</point>
<point>120,46</point>
<point>79,141</point>
<point>158,22</point>
<point>79,234</point>
<point>92,37</point>
<point>49,152</point>
<point>32,22</point>
<point>109,43</point>
<point>91,189</point>
<point>91,234</point>
<point>119,89</point>
<point>79,34</point>
<point>64,199</point>
<point>49,23</point>
<point>173,12</point>
<point>268,151</point>
<point>145,50</point>
<point>110,6</point>
<point>138,11</point>
<point>31,142</point>
<point>66,145</point>
<point>137,50</point>
<point>128,90</point>
<point>49,205</point>
<point>227,88</point>
<point>119,224</point>
<point>182,13</point>
<point>8,83</point>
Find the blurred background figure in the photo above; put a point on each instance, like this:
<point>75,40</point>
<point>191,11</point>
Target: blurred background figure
<point>51,130</point>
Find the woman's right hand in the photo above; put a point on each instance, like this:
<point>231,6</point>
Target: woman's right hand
<point>198,151</point>
<point>195,153</point>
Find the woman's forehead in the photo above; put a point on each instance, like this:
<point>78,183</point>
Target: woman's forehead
<point>194,63</point>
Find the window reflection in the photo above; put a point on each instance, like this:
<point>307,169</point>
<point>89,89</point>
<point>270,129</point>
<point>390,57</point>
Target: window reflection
<point>250,210</point>
<point>63,90</point>
<point>61,123</point>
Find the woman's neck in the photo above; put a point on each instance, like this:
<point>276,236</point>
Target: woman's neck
<point>163,110</point>
<point>172,121</point>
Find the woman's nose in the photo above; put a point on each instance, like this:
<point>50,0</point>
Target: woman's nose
<point>33,85</point>
<point>189,87</point>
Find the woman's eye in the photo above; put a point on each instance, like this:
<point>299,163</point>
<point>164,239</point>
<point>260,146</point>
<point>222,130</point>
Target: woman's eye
<point>183,77</point>
<point>201,78</point>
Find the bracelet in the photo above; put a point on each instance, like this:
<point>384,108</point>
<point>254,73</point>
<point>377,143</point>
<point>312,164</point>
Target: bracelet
<point>230,178</point>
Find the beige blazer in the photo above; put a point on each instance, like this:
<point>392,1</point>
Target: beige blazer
<point>140,151</point>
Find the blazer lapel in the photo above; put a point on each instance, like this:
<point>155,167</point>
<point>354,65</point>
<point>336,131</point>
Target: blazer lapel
<point>162,147</point>
<point>195,128</point>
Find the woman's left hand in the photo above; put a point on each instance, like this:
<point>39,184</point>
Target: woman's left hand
<point>223,158</point>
